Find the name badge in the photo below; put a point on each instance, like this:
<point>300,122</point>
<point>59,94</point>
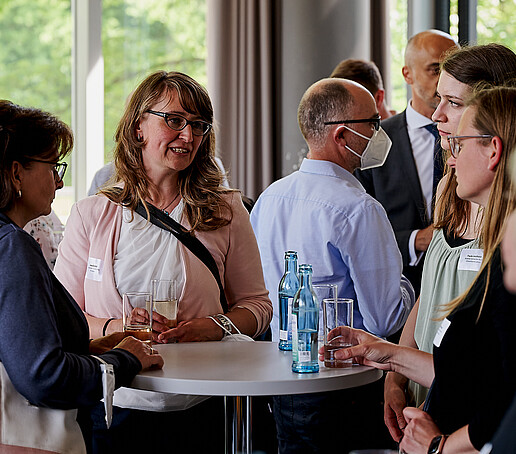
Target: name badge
<point>94,269</point>
<point>445,324</point>
<point>470,259</point>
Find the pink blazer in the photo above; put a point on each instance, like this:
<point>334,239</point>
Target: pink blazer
<point>92,234</point>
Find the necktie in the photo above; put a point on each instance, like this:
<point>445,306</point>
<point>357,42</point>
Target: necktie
<point>438,157</point>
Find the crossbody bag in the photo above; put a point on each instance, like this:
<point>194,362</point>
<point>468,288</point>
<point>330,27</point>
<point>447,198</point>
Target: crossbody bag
<point>165,222</point>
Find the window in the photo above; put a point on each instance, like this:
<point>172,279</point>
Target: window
<point>495,22</point>
<point>36,62</point>
<point>142,36</point>
<point>138,37</point>
<point>398,27</point>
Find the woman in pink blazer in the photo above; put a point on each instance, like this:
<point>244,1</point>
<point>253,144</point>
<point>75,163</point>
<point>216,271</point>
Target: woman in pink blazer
<point>164,160</point>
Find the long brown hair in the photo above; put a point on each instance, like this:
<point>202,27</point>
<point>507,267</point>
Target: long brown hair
<point>495,115</point>
<point>493,64</point>
<point>200,184</point>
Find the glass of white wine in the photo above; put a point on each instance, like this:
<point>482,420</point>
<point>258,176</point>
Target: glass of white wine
<point>135,317</point>
<point>164,300</point>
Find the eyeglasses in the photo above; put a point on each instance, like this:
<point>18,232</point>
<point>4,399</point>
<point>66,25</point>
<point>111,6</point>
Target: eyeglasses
<point>59,168</point>
<point>375,121</point>
<point>456,145</point>
<point>178,123</point>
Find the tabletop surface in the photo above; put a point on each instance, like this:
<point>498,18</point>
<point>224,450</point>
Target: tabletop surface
<point>242,369</point>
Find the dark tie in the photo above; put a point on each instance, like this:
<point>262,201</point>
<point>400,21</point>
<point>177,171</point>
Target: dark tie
<point>438,157</point>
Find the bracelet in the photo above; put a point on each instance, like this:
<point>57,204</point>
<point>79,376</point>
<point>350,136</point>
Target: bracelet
<point>226,324</point>
<point>108,321</point>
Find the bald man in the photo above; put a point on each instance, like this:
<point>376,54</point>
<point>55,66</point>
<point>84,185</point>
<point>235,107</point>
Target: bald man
<point>322,212</point>
<point>405,184</point>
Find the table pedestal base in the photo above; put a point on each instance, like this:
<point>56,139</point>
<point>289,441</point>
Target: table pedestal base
<point>238,424</point>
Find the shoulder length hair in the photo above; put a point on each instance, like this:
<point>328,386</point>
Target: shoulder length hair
<point>26,133</point>
<point>200,184</point>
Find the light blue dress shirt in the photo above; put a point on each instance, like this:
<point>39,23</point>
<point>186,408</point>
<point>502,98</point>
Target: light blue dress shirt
<point>323,212</point>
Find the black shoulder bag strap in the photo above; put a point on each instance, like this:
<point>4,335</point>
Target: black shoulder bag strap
<point>160,219</point>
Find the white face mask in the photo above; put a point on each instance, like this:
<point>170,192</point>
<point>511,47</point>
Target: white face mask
<point>375,152</point>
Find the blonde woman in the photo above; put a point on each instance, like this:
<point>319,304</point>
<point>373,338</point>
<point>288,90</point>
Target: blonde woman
<point>471,372</point>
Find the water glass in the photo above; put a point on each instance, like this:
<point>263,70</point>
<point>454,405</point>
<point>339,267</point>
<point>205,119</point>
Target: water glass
<point>135,315</point>
<point>164,300</point>
<point>336,312</point>
<point>323,292</point>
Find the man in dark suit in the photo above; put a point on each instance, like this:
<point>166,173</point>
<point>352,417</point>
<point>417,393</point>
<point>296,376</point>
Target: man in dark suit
<point>404,185</point>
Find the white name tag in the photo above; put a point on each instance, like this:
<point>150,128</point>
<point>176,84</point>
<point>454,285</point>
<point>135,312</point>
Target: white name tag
<point>445,324</point>
<point>94,269</point>
<point>470,259</point>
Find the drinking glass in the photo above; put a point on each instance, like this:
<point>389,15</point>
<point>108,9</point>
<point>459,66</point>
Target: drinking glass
<point>323,292</point>
<point>164,300</point>
<point>135,315</point>
<point>336,312</point>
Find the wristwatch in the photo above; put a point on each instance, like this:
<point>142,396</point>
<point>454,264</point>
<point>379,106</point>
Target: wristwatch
<point>436,445</point>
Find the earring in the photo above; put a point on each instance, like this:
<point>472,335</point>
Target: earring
<point>19,194</point>
<point>140,139</point>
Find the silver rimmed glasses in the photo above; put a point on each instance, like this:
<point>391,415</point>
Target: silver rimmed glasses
<point>456,144</point>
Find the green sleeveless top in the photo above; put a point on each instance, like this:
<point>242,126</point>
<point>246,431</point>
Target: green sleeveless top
<point>442,281</point>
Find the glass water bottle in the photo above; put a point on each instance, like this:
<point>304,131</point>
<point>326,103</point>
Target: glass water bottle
<point>288,286</point>
<point>305,324</point>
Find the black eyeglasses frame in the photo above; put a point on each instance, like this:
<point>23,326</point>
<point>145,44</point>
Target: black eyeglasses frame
<point>375,120</point>
<point>166,116</point>
<point>59,168</point>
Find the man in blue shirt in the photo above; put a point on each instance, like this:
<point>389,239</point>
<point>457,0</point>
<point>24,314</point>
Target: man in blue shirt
<point>323,212</point>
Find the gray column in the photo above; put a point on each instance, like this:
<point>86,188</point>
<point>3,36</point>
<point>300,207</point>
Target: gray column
<point>313,37</point>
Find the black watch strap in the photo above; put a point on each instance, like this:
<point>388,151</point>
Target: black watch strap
<point>436,445</point>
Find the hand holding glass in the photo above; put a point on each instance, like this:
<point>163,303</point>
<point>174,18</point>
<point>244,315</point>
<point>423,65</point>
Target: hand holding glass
<point>164,300</point>
<point>336,312</point>
<point>135,317</point>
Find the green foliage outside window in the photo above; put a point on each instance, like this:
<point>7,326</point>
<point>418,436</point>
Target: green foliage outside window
<point>142,36</point>
<point>36,54</point>
<point>139,36</point>
<point>495,23</point>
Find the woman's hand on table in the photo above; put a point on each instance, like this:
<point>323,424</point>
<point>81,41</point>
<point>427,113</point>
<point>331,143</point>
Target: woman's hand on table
<point>195,330</point>
<point>148,357</point>
<point>419,432</point>
<point>103,344</point>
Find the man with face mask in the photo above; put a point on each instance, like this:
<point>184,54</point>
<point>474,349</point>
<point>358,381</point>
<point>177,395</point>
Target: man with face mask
<point>406,184</point>
<point>322,212</point>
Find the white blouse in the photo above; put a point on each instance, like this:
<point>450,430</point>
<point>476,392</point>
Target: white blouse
<point>145,252</point>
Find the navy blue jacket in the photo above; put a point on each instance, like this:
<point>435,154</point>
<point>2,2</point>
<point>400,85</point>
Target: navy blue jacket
<point>44,336</point>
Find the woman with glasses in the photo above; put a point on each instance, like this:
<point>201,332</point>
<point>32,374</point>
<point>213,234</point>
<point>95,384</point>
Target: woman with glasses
<point>164,159</point>
<point>472,369</point>
<point>46,368</point>
<point>456,250</point>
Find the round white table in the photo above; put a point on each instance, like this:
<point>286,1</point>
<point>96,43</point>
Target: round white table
<point>241,370</point>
